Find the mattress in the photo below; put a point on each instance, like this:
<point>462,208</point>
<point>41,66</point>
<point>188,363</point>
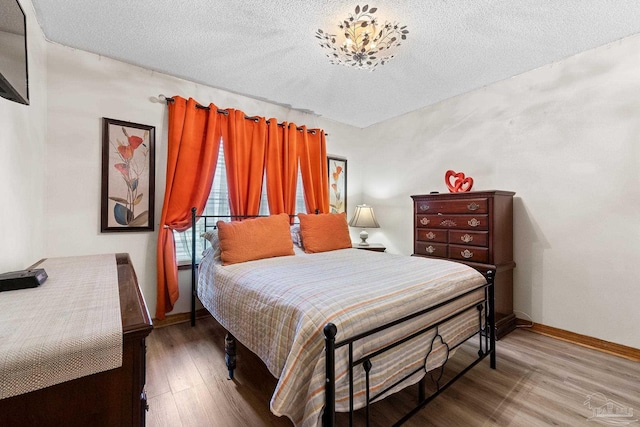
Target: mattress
<point>278,307</point>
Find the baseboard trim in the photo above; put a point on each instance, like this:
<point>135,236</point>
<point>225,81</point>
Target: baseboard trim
<point>619,350</point>
<point>174,319</point>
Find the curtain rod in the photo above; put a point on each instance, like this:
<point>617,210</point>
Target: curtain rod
<point>226,113</point>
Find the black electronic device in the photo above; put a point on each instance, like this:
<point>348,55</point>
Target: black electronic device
<point>22,279</point>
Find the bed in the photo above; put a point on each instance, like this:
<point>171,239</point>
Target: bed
<point>343,328</point>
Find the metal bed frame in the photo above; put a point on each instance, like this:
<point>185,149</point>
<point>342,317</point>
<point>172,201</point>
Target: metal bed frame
<point>485,334</point>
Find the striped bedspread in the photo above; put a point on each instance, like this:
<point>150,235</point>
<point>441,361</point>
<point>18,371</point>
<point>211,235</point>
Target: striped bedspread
<point>278,307</point>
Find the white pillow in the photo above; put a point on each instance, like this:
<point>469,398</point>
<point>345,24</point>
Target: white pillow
<point>214,240</point>
<point>296,237</point>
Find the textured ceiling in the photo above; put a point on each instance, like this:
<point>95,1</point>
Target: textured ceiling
<point>268,50</point>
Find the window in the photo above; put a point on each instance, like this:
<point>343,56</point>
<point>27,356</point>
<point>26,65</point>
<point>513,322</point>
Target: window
<point>218,204</point>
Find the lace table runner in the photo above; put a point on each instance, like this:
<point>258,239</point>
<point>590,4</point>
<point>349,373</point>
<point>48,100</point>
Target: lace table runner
<point>67,328</point>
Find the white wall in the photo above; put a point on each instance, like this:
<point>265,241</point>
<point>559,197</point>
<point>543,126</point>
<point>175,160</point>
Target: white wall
<point>566,139</point>
<point>83,88</point>
<point>22,158</point>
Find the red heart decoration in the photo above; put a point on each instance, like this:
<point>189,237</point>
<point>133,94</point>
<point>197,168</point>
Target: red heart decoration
<point>452,184</point>
<point>466,184</point>
<point>459,184</point>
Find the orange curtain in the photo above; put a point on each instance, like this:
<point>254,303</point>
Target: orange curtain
<point>244,155</point>
<point>282,167</point>
<point>192,153</point>
<point>314,169</point>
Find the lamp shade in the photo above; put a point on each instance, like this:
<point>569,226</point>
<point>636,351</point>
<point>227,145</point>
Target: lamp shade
<point>364,217</point>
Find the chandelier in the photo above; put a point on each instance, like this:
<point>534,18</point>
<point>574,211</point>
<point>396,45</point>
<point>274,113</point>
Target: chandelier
<point>363,43</point>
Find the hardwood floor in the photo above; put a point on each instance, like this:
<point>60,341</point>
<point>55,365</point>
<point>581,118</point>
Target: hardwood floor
<point>540,381</point>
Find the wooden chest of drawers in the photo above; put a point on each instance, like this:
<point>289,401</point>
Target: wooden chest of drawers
<point>475,228</point>
<point>110,398</point>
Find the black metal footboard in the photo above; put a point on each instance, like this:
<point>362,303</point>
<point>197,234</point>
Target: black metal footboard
<point>486,347</point>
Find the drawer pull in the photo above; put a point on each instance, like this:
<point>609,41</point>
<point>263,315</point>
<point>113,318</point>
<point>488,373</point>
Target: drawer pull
<point>473,206</point>
<point>448,223</point>
<point>474,222</point>
<point>430,235</point>
<point>424,208</point>
<point>466,238</point>
<point>466,254</point>
<point>430,249</point>
<point>424,221</point>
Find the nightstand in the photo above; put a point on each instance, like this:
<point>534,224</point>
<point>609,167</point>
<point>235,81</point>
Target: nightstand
<point>376,247</point>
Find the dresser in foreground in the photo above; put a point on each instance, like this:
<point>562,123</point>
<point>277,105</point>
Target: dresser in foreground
<point>114,397</point>
<point>475,228</point>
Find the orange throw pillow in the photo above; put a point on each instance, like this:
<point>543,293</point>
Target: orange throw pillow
<point>255,238</point>
<point>324,232</point>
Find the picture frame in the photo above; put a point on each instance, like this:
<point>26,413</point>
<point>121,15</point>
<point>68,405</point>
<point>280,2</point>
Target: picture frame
<point>337,184</point>
<point>128,176</point>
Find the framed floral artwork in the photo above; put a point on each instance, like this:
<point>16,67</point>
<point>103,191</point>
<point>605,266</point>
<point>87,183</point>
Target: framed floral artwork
<point>337,184</point>
<point>128,176</point>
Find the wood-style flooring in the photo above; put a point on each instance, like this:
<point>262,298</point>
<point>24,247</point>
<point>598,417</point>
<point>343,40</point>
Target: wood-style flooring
<point>540,381</point>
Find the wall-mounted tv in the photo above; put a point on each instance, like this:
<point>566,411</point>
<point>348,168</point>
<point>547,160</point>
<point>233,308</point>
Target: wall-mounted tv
<point>14,80</point>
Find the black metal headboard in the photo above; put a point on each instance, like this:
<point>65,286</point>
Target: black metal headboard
<point>207,225</point>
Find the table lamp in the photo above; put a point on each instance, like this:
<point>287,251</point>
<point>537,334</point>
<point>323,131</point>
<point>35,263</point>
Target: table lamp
<point>364,218</point>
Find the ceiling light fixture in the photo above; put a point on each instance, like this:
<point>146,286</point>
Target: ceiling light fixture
<point>362,42</point>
